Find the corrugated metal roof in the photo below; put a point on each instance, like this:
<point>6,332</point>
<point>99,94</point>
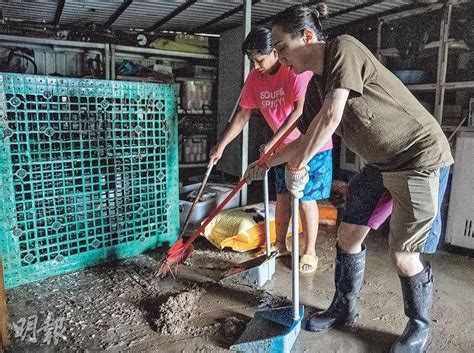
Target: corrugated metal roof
<point>38,11</point>
<point>265,9</point>
<point>82,12</point>
<point>145,13</point>
<point>200,13</point>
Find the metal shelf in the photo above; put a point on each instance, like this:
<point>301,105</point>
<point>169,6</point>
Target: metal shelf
<point>457,44</point>
<point>195,112</point>
<point>160,52</point>
<point>448,128</point>
<point>459,85</point>
<point>193,165</point>
<point>453,44</point>
<point>53,42</point>
<point>427,87</point>
<point>395,53</point>
<point>392,52</point>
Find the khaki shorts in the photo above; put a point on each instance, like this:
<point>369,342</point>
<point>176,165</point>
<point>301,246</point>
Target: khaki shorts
<point>415,203</point>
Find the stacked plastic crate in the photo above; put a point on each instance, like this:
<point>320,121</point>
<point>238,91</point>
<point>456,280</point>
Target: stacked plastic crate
<point>88,172</point>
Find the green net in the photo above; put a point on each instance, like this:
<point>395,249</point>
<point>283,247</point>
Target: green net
<point>88,172</point>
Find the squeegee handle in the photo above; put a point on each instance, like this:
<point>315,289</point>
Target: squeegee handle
<point>239,185</point>
<point>295,287</point>
<point>196,200</point>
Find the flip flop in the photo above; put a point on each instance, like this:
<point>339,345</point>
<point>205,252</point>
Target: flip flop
<point>308,261</point>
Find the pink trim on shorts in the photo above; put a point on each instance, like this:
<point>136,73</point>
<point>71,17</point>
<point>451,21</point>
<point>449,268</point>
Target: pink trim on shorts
<point>382,211</point>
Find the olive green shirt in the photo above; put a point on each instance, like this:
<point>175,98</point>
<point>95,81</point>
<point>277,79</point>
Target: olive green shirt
<point>312,104</point>
<point>382,121</point>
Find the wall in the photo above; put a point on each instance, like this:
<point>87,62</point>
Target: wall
<point>230,83</point>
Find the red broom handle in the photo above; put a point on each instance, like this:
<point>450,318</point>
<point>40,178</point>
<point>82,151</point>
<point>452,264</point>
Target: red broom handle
<point>239,185</point>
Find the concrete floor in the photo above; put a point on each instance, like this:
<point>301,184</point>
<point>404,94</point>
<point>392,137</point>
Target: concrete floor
<point>118,307</point>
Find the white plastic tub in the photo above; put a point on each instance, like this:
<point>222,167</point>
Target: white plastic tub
<point>204,208</point>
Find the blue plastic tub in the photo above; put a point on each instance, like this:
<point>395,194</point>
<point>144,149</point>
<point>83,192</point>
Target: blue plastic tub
<point>410,77</point>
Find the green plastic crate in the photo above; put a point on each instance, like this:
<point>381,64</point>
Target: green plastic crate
<point>88,172</point>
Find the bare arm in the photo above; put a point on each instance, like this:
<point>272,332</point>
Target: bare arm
<point>235,127</point>
<point>321,128</point>
<point>285,154</point>
<point>327,119</point>
<point>300,151</point>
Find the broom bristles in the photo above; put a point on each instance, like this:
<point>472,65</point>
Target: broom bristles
<point>176,254</point>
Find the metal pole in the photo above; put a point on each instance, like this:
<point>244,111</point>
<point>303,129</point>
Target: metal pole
<point>107,62</point>
<point>112,61</point>
<point>245,133</point>
<point>442,63</point>
<point>379,40</point>
<point>266,202</point>
<point>4,334</point>
<point>295,260</point>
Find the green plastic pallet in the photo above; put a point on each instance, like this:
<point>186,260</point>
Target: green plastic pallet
<point>88,172</point>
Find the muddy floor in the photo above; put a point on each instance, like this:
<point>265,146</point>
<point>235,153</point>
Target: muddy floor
<point>122,306</point>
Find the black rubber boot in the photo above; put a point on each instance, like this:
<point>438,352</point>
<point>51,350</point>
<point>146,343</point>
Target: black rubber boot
<point>349,274</point>
<point>417,301</point>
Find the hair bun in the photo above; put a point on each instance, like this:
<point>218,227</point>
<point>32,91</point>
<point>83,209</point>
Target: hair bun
<point>320,10</point>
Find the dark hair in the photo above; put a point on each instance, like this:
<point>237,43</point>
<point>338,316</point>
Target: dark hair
<point>258,41</point>
<point>295,19</point>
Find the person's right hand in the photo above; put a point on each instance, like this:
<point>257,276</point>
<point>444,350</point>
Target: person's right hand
<point>296,180</point>
<point>215,154</point>
<point>255,172</point>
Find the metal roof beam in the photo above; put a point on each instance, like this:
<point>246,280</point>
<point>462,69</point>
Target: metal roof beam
<point>339,13</point>
<point>355,8</point>
<point>171,15</point>
<point>117,13</point>
<point>375,17</point>
<point>229,13</point>
<point>59,12</point>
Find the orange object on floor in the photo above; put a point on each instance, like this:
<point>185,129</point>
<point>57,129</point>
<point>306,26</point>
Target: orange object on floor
<point>327,213</point>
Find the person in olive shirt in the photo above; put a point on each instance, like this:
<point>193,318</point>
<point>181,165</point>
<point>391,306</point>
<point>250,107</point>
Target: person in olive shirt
<point>403,145</point>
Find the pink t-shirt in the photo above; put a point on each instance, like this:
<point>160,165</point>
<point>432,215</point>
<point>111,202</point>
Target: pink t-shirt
<point>275,96</point>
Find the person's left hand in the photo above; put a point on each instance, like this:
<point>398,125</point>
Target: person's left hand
<point>295,180</point>
<point>255,172</point>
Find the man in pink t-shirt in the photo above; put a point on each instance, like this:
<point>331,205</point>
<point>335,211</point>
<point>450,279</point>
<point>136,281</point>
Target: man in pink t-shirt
<point>279,95</point>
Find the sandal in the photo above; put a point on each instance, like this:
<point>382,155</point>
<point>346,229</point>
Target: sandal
<point>308,264</point>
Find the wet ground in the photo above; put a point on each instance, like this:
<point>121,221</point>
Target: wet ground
<point>122,306</point>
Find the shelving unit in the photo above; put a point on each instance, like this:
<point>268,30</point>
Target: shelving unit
<point>445,45</point>
<point>437,53</point>
<point>66,59</point>
<point>202,117</point>
<point>197,134</point>
<point>62,57</point>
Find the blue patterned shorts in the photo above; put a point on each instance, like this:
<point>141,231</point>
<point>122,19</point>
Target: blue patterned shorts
<point>320,177</point>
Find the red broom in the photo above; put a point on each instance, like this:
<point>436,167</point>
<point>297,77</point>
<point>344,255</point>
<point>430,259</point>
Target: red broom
<point>181,250</point>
